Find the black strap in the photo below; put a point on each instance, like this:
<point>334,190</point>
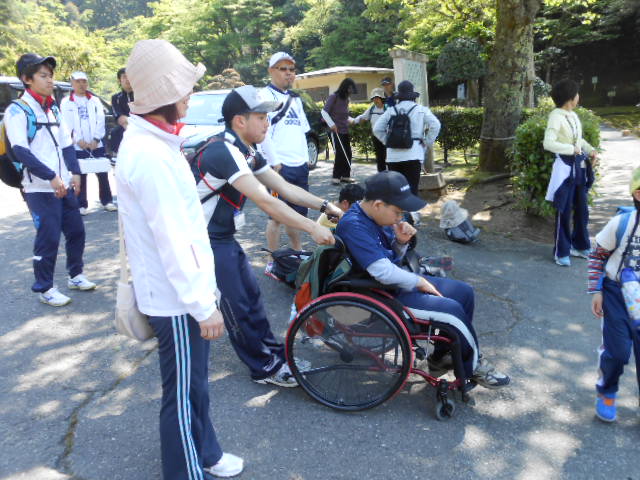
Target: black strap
<point>282,111</point>
<point>626,250</point>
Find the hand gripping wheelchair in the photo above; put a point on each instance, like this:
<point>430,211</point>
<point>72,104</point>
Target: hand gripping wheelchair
<point>352,346</point>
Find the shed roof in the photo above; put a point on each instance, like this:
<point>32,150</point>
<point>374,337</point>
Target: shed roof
<point>346,70</point>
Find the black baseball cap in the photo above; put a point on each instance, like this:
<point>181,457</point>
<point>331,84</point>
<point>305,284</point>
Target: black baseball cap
<point>392,188</point>
<point>247,99</point>
<point>386,81</point>
<point>29,59</point>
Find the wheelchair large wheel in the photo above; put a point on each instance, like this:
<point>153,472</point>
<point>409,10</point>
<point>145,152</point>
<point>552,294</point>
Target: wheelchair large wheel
<point>349,351</point>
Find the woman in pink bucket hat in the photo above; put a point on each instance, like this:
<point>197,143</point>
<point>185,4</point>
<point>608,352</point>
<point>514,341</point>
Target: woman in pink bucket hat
<point>170,258</point>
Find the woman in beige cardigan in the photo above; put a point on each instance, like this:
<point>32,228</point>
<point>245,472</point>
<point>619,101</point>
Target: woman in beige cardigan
<point>572,174</point>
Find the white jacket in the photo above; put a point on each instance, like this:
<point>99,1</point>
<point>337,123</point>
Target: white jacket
<point>69,110</point>
<point>42,146</point>
<point>166,238</point>
<point>424,125</point>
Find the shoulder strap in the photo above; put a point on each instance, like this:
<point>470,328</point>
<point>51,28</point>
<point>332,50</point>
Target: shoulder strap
<point>198,156</point>
<point>32,124</point>
<point>622,227</point>
<point>282,111</point>
<point>629,238</point>
<point>411,109</point>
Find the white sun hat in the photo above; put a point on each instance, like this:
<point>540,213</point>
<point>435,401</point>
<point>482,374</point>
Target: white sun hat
<point>159,75</point>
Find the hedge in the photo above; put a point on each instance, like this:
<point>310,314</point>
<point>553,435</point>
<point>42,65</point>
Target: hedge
<point>531,164</point>
<point>461,128</point>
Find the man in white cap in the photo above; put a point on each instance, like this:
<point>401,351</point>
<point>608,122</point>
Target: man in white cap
<point>170,257</point>
<point>230,171</point>
<point>83,113</point>
<point>285,145</point>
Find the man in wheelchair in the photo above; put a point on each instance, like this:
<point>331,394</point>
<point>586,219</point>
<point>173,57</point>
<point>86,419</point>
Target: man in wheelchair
<point>377,238</point>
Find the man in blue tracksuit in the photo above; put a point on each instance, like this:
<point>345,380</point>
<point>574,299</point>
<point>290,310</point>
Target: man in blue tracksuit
<point>377,240</point>
<point>228,172</point>
<point>51,178</point>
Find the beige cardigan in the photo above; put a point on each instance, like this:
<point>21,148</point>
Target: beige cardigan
<point>564,130</point>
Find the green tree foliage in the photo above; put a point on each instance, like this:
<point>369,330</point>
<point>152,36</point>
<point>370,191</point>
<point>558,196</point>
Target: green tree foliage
<point>338,32</point>
<point>460,60</point>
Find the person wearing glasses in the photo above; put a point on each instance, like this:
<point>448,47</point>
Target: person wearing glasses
<point>377,239</point>
<point>285,144</point>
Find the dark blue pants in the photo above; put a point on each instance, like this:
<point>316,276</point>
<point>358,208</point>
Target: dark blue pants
<point>51,217</point>
<point>103,180</point>
<point>298,176</point>
<point>243,311</point>
<point>454,309</point>
<point>571,202</point>
<point>187,439</point>
<point>617,339</point>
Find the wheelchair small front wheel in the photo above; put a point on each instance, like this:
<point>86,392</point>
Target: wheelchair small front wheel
<point>445,409</point>
<point>357,351</point>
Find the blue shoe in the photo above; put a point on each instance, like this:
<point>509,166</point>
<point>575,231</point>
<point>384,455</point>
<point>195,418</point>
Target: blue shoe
<point>606,407</point>
<point>580,253</point>
<point>563,261</point>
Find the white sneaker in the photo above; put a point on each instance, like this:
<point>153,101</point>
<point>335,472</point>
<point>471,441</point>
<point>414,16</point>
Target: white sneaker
<point>54,298</point>
<point>282,378</point>
<point>110,207</point>
<point>83,211</point>
<point>229,465</point>
<point>80,282</point>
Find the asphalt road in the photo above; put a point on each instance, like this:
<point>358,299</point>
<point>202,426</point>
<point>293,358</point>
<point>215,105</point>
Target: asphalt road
<point>78,401</point>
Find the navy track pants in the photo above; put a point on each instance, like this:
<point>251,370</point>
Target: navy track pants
<point>51,217</point>
<point>617,339</point>
<point>454,309</point>
<point>243,311</point>
<point>187,439</point>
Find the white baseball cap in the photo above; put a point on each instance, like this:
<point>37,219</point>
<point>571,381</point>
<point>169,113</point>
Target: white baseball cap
<point>79,76</point>
<point>278,56</point>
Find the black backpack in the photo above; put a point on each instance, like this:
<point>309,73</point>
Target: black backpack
<point>286,262</point>
<point>399,129</point>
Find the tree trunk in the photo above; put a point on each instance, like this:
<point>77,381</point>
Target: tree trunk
<point>505,81</point>
<point>472,92</point>
<point>530,78</point>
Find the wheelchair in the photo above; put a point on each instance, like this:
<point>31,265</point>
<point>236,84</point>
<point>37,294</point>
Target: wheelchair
<point>354,346</point>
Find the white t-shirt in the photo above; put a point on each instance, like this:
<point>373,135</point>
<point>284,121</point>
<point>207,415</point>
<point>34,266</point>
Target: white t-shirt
<point>83,114</point>
<point>286,141</point>
<point>607,240</point>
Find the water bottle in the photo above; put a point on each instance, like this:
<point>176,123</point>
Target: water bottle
<point>631,293</point>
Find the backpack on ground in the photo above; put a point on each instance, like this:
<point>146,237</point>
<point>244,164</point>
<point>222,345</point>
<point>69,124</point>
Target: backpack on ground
<point>286,262</point>
<point>11,169</point>
<point>399,129</point>
<point>456,224</point>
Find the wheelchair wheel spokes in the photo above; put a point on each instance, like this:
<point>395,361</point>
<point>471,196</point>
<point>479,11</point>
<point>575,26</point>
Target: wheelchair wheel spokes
<point>357,355</point>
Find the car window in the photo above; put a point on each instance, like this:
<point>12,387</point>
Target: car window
<point>8,92</point>
<point>205,109</point>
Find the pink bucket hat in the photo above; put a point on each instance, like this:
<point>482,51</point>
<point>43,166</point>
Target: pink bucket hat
<point>159,75</point>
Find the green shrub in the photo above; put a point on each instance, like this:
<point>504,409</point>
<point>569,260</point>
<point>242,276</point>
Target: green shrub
<point>360,133</point>
<point>531,164</point>
<point>460,130</point>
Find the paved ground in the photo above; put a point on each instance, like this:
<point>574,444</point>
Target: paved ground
<point>77,401</point>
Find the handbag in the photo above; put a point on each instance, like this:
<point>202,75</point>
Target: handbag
<point>129,321</point>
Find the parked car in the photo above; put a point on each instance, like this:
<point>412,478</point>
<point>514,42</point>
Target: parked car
<point>12,87</point>
<point>204,119</point>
